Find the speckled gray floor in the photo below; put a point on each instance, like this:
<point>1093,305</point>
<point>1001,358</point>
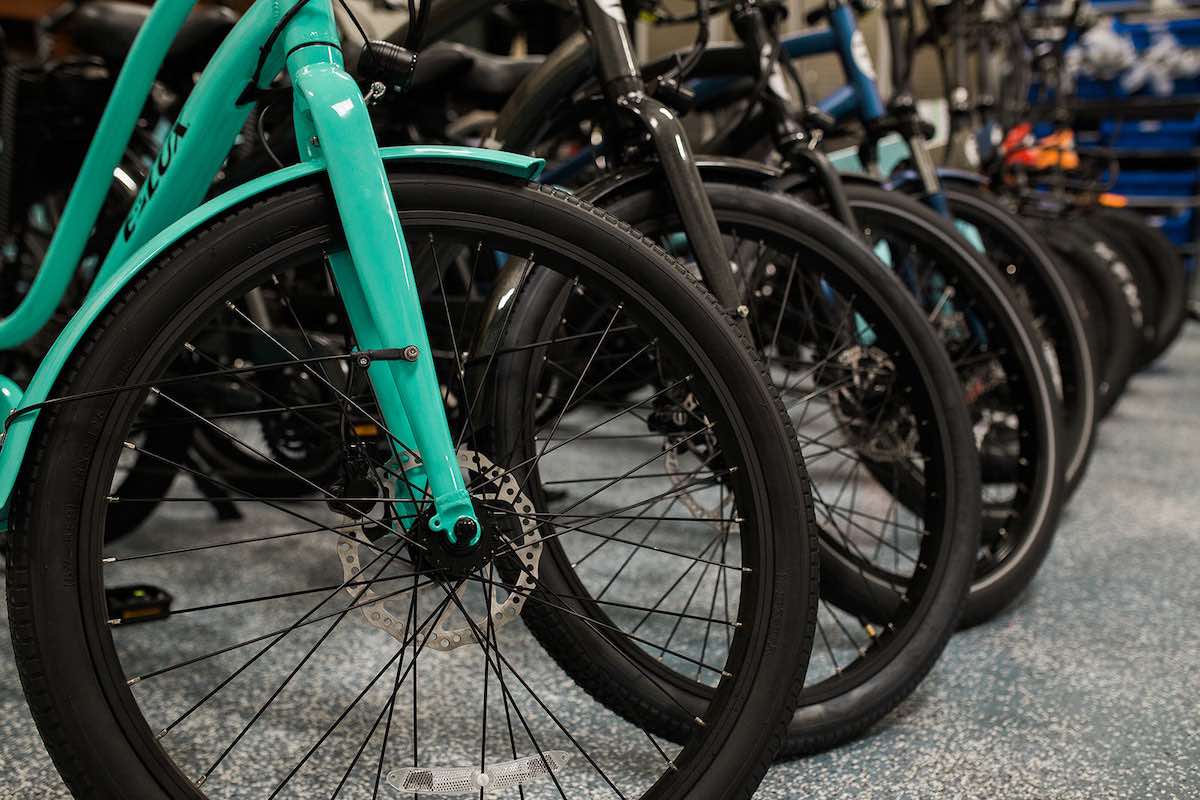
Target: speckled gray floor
<point>1090,687</point>
<point>1087,689</point>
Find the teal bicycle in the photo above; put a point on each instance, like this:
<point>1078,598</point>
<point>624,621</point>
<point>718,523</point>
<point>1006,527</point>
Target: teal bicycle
<point>352,632</point>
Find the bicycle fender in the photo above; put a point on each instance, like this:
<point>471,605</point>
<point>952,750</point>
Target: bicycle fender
<point>948,175</point>
<point>23,408</point>
<point>632,179</point>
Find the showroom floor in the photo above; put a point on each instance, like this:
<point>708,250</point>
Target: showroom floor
<point>1088,688</point>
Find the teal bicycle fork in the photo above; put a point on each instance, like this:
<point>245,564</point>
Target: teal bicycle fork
<point>373,274</point>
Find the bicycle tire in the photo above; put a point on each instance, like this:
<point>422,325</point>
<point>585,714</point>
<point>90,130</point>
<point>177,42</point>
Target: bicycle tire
<point>80,695</point>
<point>841,699</point>
<point>1033,273</point>
<point>1017,531</point>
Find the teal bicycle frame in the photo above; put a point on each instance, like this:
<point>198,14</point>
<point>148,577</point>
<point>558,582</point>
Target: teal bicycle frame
<point>333,126</point>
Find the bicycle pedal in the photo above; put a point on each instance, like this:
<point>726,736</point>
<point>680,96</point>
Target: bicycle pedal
<point>138,602</point>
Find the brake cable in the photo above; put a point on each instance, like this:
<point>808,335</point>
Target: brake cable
<point>252,89</point>
<point>703,14</point>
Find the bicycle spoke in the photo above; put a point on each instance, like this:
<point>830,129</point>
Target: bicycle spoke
<point>322,490</point>
<point>379,674</point>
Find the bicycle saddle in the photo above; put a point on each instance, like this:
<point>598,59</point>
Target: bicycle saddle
<point>106,28</point>
<point>471,70</point>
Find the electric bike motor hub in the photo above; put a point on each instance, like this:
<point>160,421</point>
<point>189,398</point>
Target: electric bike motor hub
<point>510,538</point>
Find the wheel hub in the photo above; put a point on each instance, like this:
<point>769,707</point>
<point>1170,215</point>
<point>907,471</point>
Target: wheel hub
<point>871,407</point>
<point>510,539</point>
<point>459,559</point>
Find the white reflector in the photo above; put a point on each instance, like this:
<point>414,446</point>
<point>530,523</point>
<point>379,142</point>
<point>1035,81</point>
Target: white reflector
<point>469,780</point>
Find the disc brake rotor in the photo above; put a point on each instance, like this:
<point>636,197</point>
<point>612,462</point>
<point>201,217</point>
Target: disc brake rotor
<point>874,420</point>
<point>680,479</point>
<point>451,630</point>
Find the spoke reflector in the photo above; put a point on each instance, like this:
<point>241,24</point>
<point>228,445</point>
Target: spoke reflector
<point>469,780</point>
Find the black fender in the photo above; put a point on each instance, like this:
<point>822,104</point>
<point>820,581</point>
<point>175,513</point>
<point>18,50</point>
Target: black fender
<point>908,181</point>
<point>798,182</point>
<point>627,180</point>
<point>725,169</point>
<point>825,188</point>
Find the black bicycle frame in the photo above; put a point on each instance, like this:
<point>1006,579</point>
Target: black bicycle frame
<point>609,53</point>
<point>795,142</point>
<point>620,75</point>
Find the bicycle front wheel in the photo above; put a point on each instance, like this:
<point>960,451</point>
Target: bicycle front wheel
<point>327,641</point>
<point>1043,291</point>
<point>886,439</point>
<point>1004,378</point>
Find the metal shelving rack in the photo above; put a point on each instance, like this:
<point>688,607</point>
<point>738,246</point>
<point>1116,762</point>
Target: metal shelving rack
<point>1089,114</point>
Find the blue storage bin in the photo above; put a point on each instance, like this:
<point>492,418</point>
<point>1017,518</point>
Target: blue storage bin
<point>1143,34</point>
<point>1176,226</point>
<point>1161,134</point>
<point>1153,183</point>
<point>1095,89</point>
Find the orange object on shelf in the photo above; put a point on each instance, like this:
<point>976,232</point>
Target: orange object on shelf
<point>1015,138</point>
<point>1055,150</point>
<point>1112,200</point>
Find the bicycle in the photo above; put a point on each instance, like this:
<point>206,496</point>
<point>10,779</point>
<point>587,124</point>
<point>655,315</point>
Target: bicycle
<point>1020,524</point>
<point>865,378</point>
<point>1018,529</point>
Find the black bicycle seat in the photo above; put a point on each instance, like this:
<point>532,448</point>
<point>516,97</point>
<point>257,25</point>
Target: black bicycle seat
<point>106,28</point>
<point>470,70</point>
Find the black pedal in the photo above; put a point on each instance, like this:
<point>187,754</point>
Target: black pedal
<point>139,602</point>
